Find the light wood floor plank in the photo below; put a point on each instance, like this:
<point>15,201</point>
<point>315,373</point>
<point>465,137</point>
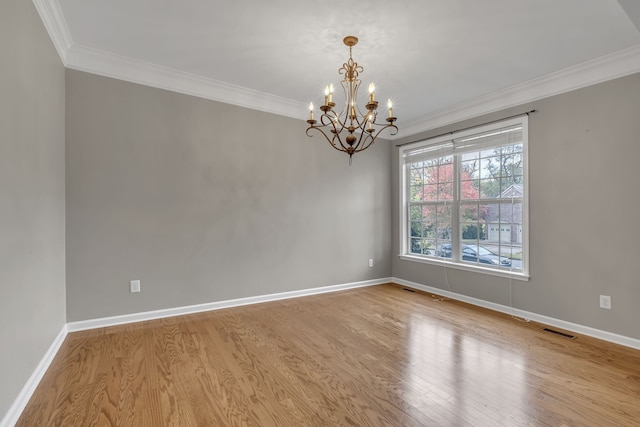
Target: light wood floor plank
<point>376,356</point>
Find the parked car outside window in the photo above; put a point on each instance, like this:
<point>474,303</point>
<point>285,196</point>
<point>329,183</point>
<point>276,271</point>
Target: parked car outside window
<point>475,254</point>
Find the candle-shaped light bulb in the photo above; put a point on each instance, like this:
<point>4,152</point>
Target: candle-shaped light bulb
<point>372,92</point>
<point>331,92</point>
<point>326,95</point>
<point>390,106</point>
<point>311,111</point>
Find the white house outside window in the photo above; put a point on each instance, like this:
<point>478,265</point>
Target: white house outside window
<point>464,199</point>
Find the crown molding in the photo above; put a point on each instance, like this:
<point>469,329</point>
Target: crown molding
<point>99,62</point>
<point>95,61</point>
<point>608,67</point>
<point>53,20</point>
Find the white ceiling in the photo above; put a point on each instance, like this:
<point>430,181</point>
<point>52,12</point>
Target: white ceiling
<point>430,56</point>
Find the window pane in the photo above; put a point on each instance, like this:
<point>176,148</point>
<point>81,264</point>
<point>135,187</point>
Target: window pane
<point>489,188</point>
<point>430,192</point>
<point>429,230</point>
<point>469,189</point>
<point>415,175</point>
<point>469,252</point>
<point>445,191</point>
<point>512,186</point>
<point>444,249</point>
<point>470,232</point>
<point>486,210</point>
<point>415,193</point>
<point>429,213</point>
<point>470,169</point>
<point>416,246</point>
<point>415,213</point>
<point>445,173</point>
<point>416,228</point>
<point>428,247</point>
<point>431,174</point>
<point>468,212</point>
<point>444,213</point>
<point>490,168</point>
<point>510,212</point>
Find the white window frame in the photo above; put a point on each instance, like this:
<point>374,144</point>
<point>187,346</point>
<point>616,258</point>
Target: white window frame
<point>405,253</point>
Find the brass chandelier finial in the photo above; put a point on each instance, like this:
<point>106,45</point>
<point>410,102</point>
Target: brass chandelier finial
<point>359,130</point>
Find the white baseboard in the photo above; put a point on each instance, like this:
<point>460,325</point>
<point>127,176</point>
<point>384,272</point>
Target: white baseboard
<point>573,327</point>
<point>178,311</point>
<point>12,416</point>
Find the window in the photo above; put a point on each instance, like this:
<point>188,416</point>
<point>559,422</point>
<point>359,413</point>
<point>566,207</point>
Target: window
<point>464,199</point>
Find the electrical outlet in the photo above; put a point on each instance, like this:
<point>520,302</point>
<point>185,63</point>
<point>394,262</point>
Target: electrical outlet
<point>370,262</point>
<point>605,302</point>
<point>135,286</point>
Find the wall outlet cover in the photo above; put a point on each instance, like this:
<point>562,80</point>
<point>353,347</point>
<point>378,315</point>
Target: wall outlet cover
<point>135,286</point>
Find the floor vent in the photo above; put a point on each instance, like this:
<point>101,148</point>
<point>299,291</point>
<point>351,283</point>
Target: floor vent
<point>408,290</point>
<point>562,334</point>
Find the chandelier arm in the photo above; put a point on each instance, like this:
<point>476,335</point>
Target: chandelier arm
<point>336,130</point>
<point>331,141</point>
<point>373,138</point>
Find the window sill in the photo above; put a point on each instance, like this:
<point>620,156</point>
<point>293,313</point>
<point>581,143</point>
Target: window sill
<point>476,269</point>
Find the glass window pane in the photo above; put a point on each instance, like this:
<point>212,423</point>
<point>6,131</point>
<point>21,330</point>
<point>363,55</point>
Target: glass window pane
<point>430,174</point>
<point>509,212</point>
<point>469,212</point>
<point>445,191</point>
<point>415,213</point>
<point>443,232</point>
<point>415,175</point>
<point>469,252</point>
<point>489,188</point>
<point>444,213</point>
<point>488,212</point>
<point>430,192</point>
<point>415,193</point>
<point>469,189</point>
<point>490,168</point>
<point>470,170</point>
<point>428,247</point>
<point>416,246</point>
<point>429,213</point>
<point>445,173</point>
<point>416,228</point>
<point>512,186</point>
<point>429,230</point>
<point>470,232</point>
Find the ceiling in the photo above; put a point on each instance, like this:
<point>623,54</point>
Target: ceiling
<point>433,58</point>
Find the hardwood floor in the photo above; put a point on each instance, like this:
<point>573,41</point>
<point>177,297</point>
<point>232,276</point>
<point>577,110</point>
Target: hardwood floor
<point>376,356</point>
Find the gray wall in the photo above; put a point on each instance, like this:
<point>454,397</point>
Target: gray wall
<point>32,247</point>
<point>204,201</point>
<point>584,151</point>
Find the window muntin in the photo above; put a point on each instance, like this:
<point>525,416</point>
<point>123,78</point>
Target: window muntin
<point>464,198</point>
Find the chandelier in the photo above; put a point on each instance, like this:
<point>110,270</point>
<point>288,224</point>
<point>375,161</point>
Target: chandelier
<point>350,131</point>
